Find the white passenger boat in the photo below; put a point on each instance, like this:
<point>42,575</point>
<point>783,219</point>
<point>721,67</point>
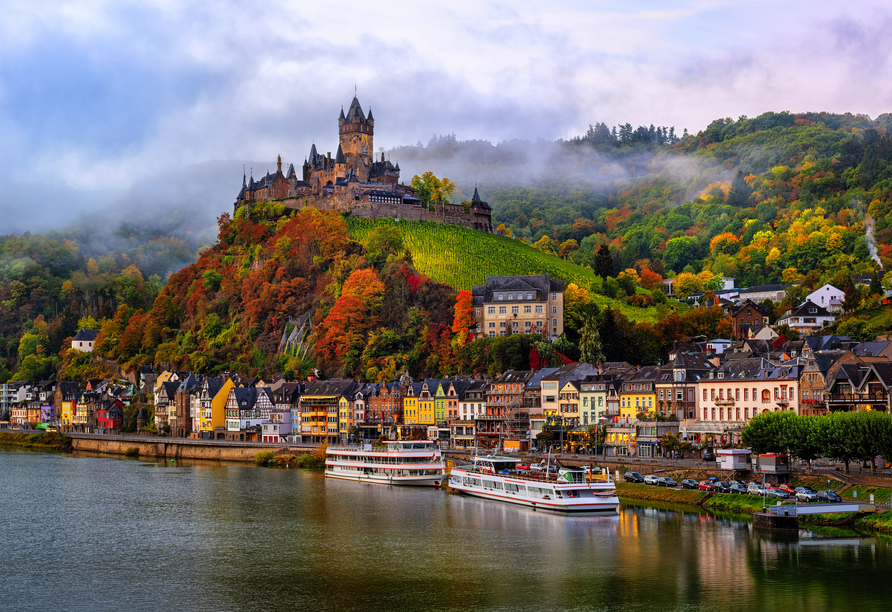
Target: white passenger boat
<point>399,462</point>
<point>568,490</point>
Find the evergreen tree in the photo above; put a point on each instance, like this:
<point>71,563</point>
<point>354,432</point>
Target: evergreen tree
<point>851,298</point>
<point>739,192</point>
<point>603,262</point>
<point>875,287</point>
<point>590,339</point>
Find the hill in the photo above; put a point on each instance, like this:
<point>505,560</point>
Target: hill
<point>462,257</point>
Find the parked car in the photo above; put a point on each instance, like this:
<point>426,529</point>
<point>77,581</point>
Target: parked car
<point>778,493</point>
<point>666,481</point>
<point>756,488</point>
<point>690,483</point>
<point>827,497</point>
<point>739,488</point>
<point>706,485</point>
<point>738,482</point>
<point>722,487</point>
<point>785,488</point>
<point>708,456</point>
<point>633,477</point>
<point>651,479</point>
<point>805,494</point>
<point>522,467</point>
<point>589,471</point>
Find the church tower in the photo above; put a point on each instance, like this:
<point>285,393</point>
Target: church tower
<point>356,139</point>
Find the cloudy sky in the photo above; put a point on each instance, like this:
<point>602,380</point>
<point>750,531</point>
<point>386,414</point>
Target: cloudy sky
<point>99,95</point>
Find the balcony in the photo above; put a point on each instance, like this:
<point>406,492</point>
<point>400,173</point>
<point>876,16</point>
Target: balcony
<point>491,417</point>
<point>858,398</point>
<point>724,402</point>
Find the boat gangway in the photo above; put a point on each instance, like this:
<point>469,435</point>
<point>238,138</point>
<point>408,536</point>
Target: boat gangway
<point>832,508</point>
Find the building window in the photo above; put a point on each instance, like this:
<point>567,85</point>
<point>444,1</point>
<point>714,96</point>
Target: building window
<point>510,296</point>
<point>529,296</point>
<point>737,394</point>
<point>704,395</point>
<point>492,324</point>
<point>554,322</point>
<point>478,312</point>
<point>539,309</point>
<point>554,310</point>
<point>515,309</point>
<point>746,393</point>
<point>501,297</point>
<point>503,310</point>
<point>527,309</point>
<point>490,310</point>
<point>553,296</point>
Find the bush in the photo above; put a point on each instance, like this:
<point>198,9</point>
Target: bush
<point>310,462</point>
<point>131,451</point>
<point>286,461</point>
<point>264,457</point>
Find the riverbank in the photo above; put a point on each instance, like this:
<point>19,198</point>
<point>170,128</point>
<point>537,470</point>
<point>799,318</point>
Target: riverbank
<point>41,441</point>
<point>745,505</point>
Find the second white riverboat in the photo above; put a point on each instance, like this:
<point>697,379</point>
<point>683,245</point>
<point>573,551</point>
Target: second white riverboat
<point>400,462</point>
<point>568,490</point>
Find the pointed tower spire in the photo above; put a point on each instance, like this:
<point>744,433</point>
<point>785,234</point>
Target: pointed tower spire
<point>339,158</point>
<point>342,118</point>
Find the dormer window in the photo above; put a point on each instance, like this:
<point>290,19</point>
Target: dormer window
<point>510,296</point>
<point>501,297</point>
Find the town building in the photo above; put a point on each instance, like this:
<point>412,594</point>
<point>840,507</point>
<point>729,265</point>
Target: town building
<point>807,318</point>
<point>532,304</point>
<point>746,317</point>
<point>84,340</point>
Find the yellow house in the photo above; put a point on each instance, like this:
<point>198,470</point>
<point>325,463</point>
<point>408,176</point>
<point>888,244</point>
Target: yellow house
<point>213,407</point>
<point>427,402</point>
<point>410,405</point>
<point>568,401</point>
<point>639,393</point>
<point>345,417</point>
<point>163,377</point>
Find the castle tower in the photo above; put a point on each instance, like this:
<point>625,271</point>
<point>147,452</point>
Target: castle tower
<point>356,132</point>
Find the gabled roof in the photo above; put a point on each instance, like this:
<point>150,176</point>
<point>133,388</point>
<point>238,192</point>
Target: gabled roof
<point>871,349</point>
<point>86,335</point>
<point>807,308</point>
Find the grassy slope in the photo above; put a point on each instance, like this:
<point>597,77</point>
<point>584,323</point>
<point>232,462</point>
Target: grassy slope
<point>462,257</point>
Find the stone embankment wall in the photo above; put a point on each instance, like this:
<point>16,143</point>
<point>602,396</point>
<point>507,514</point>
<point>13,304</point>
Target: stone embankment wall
<point>179,449</point>
<point>381,210</point>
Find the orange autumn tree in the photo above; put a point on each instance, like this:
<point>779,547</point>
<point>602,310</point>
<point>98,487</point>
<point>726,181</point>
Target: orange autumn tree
<point>464,318</point>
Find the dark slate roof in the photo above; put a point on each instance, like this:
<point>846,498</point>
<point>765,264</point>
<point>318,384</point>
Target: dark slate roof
<point>803,310</point>
<point>884,372</point>
<point>339,157</point>
<point>313,153</point>
<point>541,283</point>
<point>736,310</point>
<point>355,111</point>
<point>142,415</point>
<point>515,376</point>
<point>476,202</point>
<point>86,335</point>
<point>341,116</point>
<point>290,174</point>
<point>870,349</point>
<point>335,386</point>
<point>647,373</point>
<point>241,194</point>
<point>370,118</point>
<point>826,343</point>
<point>762,288</point>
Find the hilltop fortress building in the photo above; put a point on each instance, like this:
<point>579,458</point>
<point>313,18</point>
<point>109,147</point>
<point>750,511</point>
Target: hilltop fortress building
<point>354,181</point>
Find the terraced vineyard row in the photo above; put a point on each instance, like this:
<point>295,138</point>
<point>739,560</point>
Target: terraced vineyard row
<point>462,257</point>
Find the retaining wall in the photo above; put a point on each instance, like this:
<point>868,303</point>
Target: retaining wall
<point>181,449</point>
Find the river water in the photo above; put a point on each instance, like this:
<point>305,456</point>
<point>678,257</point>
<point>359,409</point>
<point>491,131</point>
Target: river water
<point>97,533</point>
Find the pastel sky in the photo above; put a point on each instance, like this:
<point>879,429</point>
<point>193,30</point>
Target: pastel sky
<point>98,94</point>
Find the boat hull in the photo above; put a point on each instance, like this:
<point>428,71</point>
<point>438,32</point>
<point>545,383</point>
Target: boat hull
<point>412,481</point>
<point>586,499</point>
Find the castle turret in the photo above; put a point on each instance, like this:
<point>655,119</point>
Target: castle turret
<point>241,194</point>
<point>357,140</point>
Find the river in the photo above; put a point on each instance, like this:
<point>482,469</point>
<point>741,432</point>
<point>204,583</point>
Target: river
<point>97,533</point>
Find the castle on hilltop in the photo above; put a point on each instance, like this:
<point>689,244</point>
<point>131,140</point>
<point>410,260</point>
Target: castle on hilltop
<point>355,181</point>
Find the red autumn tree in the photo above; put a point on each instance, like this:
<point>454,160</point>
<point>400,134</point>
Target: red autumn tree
<point>464,317</point>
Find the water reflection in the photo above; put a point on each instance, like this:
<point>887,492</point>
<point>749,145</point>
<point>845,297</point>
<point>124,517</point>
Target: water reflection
<point>96,533</point>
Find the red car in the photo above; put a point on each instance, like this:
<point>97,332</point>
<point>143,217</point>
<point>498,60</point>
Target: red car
<point>785,488</point>
<point>706,485</point>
